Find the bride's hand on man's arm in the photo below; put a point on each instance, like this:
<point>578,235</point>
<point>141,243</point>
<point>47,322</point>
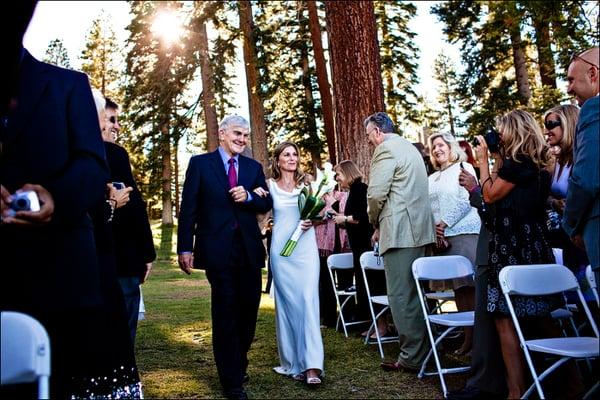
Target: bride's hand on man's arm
<point>306,224</point>
<point>261,192</point>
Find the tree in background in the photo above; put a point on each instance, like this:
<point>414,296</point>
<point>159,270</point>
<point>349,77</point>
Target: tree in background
<point>158,72</point>
<point>356,75</point>
<point>57,54</point>
<point>445,74</point>
<point>398,53</point>
<point>99,58</point>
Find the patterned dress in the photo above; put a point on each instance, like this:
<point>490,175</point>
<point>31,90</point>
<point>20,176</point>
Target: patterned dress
<point>519,235</point>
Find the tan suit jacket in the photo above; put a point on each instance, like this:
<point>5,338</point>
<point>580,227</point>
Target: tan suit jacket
<point>398,197</point>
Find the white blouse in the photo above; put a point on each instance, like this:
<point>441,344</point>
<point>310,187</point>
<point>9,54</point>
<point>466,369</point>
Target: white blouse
<point>450,201</point>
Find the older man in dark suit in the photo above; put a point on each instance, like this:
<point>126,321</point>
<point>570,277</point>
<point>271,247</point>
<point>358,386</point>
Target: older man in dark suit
<point>218,221</point>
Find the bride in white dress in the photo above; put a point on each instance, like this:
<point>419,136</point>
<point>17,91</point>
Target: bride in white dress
<point>295,278</point>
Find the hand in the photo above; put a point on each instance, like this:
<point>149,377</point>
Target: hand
<point>306,225</point>
<point>339,219</point>
<point>578,241</point>
<point>261,192</point>
<point>5,201</point>
<point>238,194</point>
<point>120,196</point>
<point>440,229</point>
<point>466,180</point>
<point>41,217</point>
<point>482,149</point>
<point>559,205</point>
<point>147,273</point>
<point>186,262</point>
<point>375,237</point>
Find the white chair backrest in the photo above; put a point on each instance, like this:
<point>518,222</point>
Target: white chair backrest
<point>25,349</point>
<point>537,280</point>
<point>589,273</point>
<point>558,255</point>
<point>442,267</point>
<point>369,261</point>
<point>340,261</point>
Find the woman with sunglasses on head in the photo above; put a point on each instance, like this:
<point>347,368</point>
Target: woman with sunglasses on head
<point>560,123</point>
<point>518,233</point>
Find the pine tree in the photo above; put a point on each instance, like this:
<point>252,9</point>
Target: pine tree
<point>445,73</point>
<point>101,56</point>
<point>356,73</point>
<point>57,54</point>
<point>398,58</point>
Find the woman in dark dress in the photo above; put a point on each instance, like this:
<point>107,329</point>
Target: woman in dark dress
<point>518,188</point>
<point>359,230</point>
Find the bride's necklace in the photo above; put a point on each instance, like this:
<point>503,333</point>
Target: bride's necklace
<point>288,186</point>
<point>442,170</point>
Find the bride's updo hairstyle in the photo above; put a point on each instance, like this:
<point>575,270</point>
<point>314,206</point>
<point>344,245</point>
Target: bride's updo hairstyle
<point>276,171</point>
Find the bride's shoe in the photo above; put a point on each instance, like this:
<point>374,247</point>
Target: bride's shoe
<point>313,381</point>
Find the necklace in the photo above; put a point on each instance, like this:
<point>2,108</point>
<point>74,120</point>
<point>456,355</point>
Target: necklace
<point>287,186</point>
<point>442,170</point>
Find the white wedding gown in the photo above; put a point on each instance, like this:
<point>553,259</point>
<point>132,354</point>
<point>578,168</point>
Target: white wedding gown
<point>296,288</point>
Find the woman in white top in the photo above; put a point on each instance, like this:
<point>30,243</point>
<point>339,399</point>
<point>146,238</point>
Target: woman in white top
<point>457,223</point>
<point>295,278</point>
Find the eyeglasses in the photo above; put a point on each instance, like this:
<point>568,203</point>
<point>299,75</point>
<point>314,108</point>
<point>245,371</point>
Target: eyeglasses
<point>551,124</point>
<point>576,56</point>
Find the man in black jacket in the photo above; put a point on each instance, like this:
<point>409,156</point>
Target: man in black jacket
<point>134,247</point>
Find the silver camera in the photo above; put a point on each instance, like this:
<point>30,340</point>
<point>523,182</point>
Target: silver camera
<point>24,201</point>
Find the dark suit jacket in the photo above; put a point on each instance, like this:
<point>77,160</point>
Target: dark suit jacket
<point>208,214</point>
<point>133,243</point>
<point>583,201</point>
<point>52,138</point>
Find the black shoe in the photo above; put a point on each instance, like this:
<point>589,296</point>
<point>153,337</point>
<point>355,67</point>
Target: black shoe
<point>245,379</point>
<point>236,394</point>
<point>467,393</point>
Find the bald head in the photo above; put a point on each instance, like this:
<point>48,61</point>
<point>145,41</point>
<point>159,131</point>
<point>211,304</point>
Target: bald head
<point>583,77</point>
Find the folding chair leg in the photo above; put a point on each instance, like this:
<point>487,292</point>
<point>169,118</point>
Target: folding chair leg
<point>538,380</point>
<point>43,388</point>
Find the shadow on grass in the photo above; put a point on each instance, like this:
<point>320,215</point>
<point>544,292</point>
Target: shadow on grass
<point>166,242</point>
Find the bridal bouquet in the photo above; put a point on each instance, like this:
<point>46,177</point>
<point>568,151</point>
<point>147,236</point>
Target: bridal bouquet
<point>310,203</point>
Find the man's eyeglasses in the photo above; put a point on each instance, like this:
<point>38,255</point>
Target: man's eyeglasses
<point>551,124</point>
<point>576,56</point>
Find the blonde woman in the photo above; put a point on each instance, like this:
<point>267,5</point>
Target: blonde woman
<point>517,229</point>
<point>457,223</point>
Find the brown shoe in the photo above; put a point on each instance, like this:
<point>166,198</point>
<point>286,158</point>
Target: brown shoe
<point>390,366</point>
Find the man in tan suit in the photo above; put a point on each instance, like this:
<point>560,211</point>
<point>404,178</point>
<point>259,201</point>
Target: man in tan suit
<point>399,209</point>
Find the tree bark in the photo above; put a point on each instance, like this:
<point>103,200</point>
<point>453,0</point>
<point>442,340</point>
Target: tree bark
<point>513,23</point>
<point>542,43</point>
<point>167,204</point>
<point>208,92</point>
<point>356,72</point>
<point>257,113</point>
<point>323,80</point>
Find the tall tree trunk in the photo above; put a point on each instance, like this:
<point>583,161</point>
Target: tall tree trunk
<point>167,205</point>
<point>176,175</point>
<point>542,43</point>
<point>512,21</point>
<point>323,80</point>
<point>311,122</point>
<point>356,71</point>
<point>208,92</point>
<point>257,111</point>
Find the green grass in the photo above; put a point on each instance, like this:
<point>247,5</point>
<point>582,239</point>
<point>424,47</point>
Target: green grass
<point>174,349</point>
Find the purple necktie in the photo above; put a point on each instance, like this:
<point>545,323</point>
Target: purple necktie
<point>231,175</point>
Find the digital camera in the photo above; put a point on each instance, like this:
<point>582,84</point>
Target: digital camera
<point>24,201</point>
<point>329,214</point>
<point>118,185</point>
<point>492,138</point>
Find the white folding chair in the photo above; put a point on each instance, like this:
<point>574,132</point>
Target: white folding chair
<point>558,255</point>
<point>369,262</point>
<point>342,261</point>
<point>591,278</point>
<point>25,355</point>
<point>540,280</point>
<point>441,268</point>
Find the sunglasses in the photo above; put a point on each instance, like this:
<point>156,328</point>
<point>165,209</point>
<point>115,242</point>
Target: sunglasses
<point>575,56</point>
<point>551,124</point>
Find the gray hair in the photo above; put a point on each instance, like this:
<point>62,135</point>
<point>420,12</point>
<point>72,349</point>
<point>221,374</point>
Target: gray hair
<point>382,121</point>
<point>99,100</point>
<point>231,120</point>
<point>456,153</point>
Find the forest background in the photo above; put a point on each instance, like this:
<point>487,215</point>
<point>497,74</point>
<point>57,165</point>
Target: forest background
<point>312,71</point>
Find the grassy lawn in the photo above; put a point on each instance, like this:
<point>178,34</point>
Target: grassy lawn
<point>174,349</point>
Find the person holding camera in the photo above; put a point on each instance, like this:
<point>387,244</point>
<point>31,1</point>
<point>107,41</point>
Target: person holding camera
<point>517,227</point>
<point>457,223</point>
